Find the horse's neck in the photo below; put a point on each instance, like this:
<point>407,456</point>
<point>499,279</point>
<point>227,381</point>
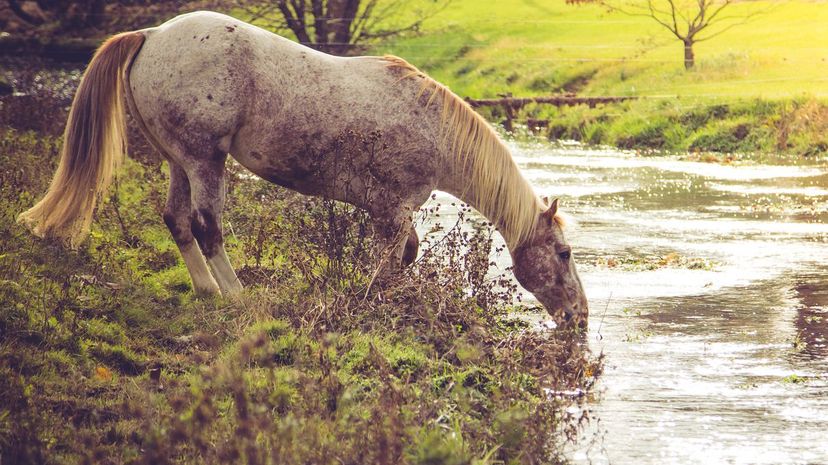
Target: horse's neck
<point>458,179</point>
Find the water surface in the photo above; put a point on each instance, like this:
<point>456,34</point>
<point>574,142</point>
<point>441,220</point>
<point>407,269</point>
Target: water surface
<point>725,361</point>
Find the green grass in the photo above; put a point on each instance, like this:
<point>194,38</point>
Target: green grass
<point>758,87</point>
<point>530,47</point>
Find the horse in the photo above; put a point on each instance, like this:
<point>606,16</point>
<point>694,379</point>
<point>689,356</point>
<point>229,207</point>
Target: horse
<point>204,85</point>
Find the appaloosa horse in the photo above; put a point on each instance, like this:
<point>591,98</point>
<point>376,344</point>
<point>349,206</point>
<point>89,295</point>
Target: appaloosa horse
<point>205,85</point>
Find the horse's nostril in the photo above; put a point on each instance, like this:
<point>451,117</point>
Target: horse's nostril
<point>567,316</point>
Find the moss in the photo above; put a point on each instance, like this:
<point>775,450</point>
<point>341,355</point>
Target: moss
<point>405,358</point>
<point>436,447</point>
<point>477,378</point>
<point>273,329</point>
<point>285,348</point>
<point>121,358</point>
<point>722,136</point>
<point>636,131</point>
<point>105,331</point>
<point>61,361</point>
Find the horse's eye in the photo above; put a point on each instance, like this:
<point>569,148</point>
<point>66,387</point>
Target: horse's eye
<point>565,255</point>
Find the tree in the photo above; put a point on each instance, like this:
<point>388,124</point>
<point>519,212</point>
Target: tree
<point>341,26</point>
<point>691,21</point>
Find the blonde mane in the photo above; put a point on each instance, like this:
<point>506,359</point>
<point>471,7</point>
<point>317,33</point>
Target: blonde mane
<point>497,188</point>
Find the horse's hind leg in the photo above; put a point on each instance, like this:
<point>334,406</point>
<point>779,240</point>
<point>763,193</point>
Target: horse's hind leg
<point>178,218</point>
<point>207,196</point>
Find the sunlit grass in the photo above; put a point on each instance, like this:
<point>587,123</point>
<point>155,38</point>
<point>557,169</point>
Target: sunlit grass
<point>517,46</point>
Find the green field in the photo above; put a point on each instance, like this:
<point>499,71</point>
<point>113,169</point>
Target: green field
<point>757,88</point>
<point>531,47</point>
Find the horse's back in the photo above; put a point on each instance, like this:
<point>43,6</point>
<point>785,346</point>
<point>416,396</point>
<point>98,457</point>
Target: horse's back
<point>212,71</point>
<point>212,82</point>
<point>188,77</point>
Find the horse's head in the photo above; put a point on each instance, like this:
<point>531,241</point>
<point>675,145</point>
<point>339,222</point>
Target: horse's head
<point>544,265</point>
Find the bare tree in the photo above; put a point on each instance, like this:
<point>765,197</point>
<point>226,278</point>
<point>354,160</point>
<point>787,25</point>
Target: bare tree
<point>341,26</point>
<point>691,21</point>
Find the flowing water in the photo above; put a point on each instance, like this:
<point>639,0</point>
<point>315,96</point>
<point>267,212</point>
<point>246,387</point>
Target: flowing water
<point>708,290</point>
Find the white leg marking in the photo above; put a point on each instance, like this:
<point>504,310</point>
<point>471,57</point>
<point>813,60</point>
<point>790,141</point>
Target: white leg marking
<point>224,273</point>
<point>203,282</point>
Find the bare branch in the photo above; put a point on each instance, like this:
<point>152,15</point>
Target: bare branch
<point>673,15</point>
<point>713,15</point>
<point>292,18</point>
<point>320,21</point>
<point>337,26</point>
<point>653,14</point>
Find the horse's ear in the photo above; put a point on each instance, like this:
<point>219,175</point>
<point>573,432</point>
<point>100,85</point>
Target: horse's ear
<point>549,214</point>
<point>545,200</point>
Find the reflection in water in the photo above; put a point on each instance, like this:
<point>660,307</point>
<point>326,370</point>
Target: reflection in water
<point>721,365</point>
<point>812,316</point>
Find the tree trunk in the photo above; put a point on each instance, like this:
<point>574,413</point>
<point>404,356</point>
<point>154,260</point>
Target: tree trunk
<point>321,17</point>
<point>347,11</point>
<point>689,57</point>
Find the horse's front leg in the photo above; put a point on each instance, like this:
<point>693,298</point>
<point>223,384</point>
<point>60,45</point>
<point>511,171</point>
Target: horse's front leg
<point>208,196</point>
<point>412,247</point>
<point>391,236</point>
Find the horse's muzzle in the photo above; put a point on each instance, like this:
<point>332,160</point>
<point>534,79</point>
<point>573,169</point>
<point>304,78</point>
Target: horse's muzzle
<point>573,320</point>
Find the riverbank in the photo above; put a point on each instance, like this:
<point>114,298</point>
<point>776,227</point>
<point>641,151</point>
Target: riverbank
<point>796,127</point>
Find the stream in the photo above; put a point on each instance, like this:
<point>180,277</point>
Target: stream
<point>708,291</point>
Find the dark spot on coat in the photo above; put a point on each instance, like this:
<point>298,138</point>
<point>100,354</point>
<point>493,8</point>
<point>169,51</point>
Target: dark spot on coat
<point>209,96</point>
<point>169,220</point>
<point>230,28</point>
<point>207,232</point>
<point>180,236</point>
<point>175,118</point>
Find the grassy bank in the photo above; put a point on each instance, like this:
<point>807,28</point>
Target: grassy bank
<point>760,86</point>
<point>106,357</point>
